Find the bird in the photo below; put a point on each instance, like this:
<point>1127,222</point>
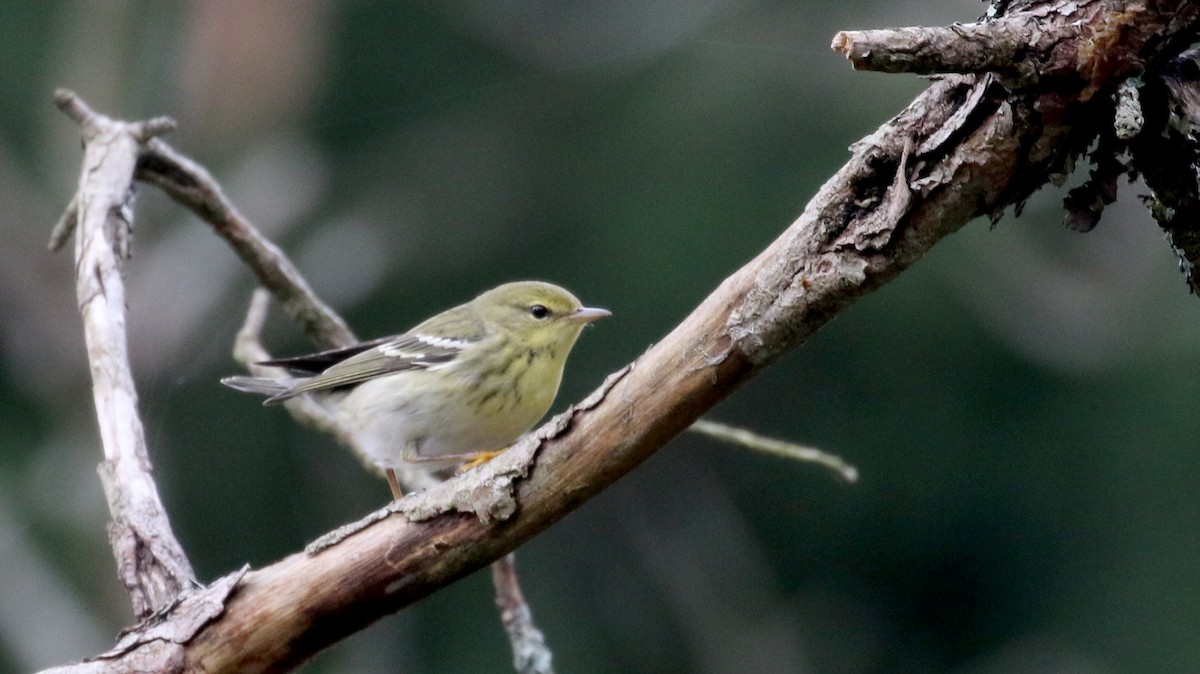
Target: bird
<point>459,388</point>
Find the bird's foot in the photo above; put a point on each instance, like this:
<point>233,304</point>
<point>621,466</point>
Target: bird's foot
<point>478,459</point>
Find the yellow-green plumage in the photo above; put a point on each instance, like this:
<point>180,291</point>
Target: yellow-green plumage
<point>470,379</point>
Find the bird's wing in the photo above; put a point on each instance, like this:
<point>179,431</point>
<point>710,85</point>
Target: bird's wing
<point>316,363</point>
<point>410,351</point>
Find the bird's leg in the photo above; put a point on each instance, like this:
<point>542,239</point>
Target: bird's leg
<point>393,484</point>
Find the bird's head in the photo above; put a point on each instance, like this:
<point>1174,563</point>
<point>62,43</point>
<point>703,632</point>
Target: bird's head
<point>539,315</point>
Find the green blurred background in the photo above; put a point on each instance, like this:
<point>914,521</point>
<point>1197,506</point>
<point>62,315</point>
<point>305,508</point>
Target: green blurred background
<point>1021,404</point>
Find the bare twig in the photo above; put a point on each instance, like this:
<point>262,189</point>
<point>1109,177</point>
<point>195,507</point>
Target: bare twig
<point>194,187</point>
<point>530,653</point>
<point>1025,48</point>
<point>65,227</point>
<point>1010,45</point>
<point>787,450</point>
<point>150,561</point>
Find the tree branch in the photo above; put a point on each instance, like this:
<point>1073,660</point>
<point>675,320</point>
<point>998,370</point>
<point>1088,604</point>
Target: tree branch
<point>1034,44</point>
<point>802,280</point>
<point>1011,46</point>
<point>968,146</point>
<point>150,561</point>
<point>777,448</point>
<point>530,653</point>
<point>192,186</point>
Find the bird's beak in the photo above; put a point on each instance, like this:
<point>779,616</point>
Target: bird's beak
<point>588,314</point>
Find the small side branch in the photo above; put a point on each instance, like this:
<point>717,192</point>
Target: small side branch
<point>772,447</point>
<point>962,48</point>
<point>150,561</point>
<point>530,653</point>
<point>1018,48</point>
<point>65,227</point>
<point>194,187</point>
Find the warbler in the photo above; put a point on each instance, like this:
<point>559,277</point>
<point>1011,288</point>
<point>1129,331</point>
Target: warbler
<point>462,385</point>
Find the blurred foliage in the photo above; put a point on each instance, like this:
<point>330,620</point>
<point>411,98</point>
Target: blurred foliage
<point>1020,404</point>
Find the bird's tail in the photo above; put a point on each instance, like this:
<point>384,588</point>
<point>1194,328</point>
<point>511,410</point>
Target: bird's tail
<point>275,389</point>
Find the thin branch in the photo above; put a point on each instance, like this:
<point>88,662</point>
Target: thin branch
<point>530,653</point>
<point>65,227</point>
<point>77,111</point>
<point>773,447</point>
<point>150,561</point>
<point>147,130</point>
<point>192,186</point>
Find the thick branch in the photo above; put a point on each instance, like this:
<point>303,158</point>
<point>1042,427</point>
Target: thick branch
<point>150,561</point>
<point>776,301</point>
<point>833,254</point>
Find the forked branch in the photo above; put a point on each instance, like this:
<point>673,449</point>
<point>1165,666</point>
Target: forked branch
<point>150,561</point>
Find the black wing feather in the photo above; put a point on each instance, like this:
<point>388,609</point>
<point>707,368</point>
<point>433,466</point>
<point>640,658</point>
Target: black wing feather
<point>316,363</point>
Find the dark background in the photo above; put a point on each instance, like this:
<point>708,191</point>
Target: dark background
<point>1021,404</point>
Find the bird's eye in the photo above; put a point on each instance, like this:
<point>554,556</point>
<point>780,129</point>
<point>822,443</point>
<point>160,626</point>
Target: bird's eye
<point>539,312</point>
